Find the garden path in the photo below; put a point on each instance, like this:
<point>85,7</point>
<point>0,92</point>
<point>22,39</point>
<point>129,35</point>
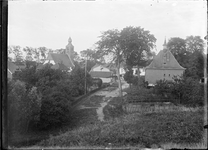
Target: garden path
<point>103,97</point>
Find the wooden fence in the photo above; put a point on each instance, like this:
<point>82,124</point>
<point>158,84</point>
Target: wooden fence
<point>148,107</point>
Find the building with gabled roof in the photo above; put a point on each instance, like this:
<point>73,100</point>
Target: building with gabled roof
<point>163,66</point>
<point>102,72</point>
<point>61,61</point>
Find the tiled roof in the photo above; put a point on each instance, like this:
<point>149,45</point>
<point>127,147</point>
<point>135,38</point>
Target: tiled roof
<point>60,66</point>
<point>100,74</point>
<point>164,60</point>
<point>61,59</point>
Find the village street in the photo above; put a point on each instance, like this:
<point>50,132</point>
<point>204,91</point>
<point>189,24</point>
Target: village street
<point>99,100</point>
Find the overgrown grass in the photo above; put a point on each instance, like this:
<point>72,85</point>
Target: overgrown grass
<point>133,130</point>
<point>143,94</point>
<point>114,108</point>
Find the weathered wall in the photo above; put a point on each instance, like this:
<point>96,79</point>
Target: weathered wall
<point>152,75</point>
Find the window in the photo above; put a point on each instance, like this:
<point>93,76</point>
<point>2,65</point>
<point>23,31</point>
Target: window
<point>164,75</point>
<point>169,75</point>
<point>164,59</point>
<point>168,57</point>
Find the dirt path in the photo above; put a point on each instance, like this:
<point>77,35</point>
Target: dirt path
<point>101,99</point>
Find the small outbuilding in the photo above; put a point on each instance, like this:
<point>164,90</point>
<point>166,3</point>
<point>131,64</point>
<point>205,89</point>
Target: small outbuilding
<point>102,72</point>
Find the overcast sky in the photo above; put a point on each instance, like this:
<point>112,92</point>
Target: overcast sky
<point>50,24</point>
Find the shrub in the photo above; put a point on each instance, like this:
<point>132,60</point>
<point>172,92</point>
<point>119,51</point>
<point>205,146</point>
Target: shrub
<point>27,75</point>
<point>162,87</point>
<point>189,91</point>
<point>55,108</point>
<point>77,79</point>
<point>135,80</point>
<point>24,106</point>
<point>98,82</point>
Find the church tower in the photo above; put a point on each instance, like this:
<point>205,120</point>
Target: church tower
<point>69,49</point>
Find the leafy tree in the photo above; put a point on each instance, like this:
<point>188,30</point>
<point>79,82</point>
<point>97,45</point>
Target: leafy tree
<point>24,106</point>
<point>178,48</point>
<point>137,44</point>
<point>29,53</point>
<point>194,44</point>
<point>43,51</point>
<point>77,80</point>
<point>48,77</point>
<point>189,54</point>
<point>195,65</point>
<point>27,75</point>
<point>92,57</point>
<point>60,51</point>
<point>16,50</point>
<point>188,91</point>
<point>110,44</point>
<point>128,76</point>
<point>36,54</point>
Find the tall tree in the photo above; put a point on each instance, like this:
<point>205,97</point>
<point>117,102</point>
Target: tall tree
<point>195,65</point>
<point>194,43</point>
<point>189,54</point>
<point>92,57</point>
<point>60,51</point>
<point>16,50</point>
<point>43,52</point>
<point>29,53</point>
<point>137,44</point>
<point>178,48</point>
<point>36,54</point>
<point>110,44</point>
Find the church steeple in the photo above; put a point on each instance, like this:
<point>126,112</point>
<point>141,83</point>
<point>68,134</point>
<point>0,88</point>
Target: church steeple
<point>164,45</point>
<point>69,50</point>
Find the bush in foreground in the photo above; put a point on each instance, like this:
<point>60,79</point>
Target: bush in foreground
<point>55,109</point>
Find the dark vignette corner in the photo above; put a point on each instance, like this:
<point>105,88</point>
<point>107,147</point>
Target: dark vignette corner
<point>4,24</point>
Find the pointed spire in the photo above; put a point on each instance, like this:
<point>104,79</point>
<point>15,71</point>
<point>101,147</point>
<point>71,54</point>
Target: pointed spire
<point>165,45</point>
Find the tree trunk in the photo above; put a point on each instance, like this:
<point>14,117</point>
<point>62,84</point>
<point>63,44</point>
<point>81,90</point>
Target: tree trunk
<point>119,80</point>
<point>138,75</point>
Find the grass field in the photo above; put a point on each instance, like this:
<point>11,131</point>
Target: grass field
<point>183,128</point>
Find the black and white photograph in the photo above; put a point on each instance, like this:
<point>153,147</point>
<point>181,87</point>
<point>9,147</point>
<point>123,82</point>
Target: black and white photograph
<point>106,74</point>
